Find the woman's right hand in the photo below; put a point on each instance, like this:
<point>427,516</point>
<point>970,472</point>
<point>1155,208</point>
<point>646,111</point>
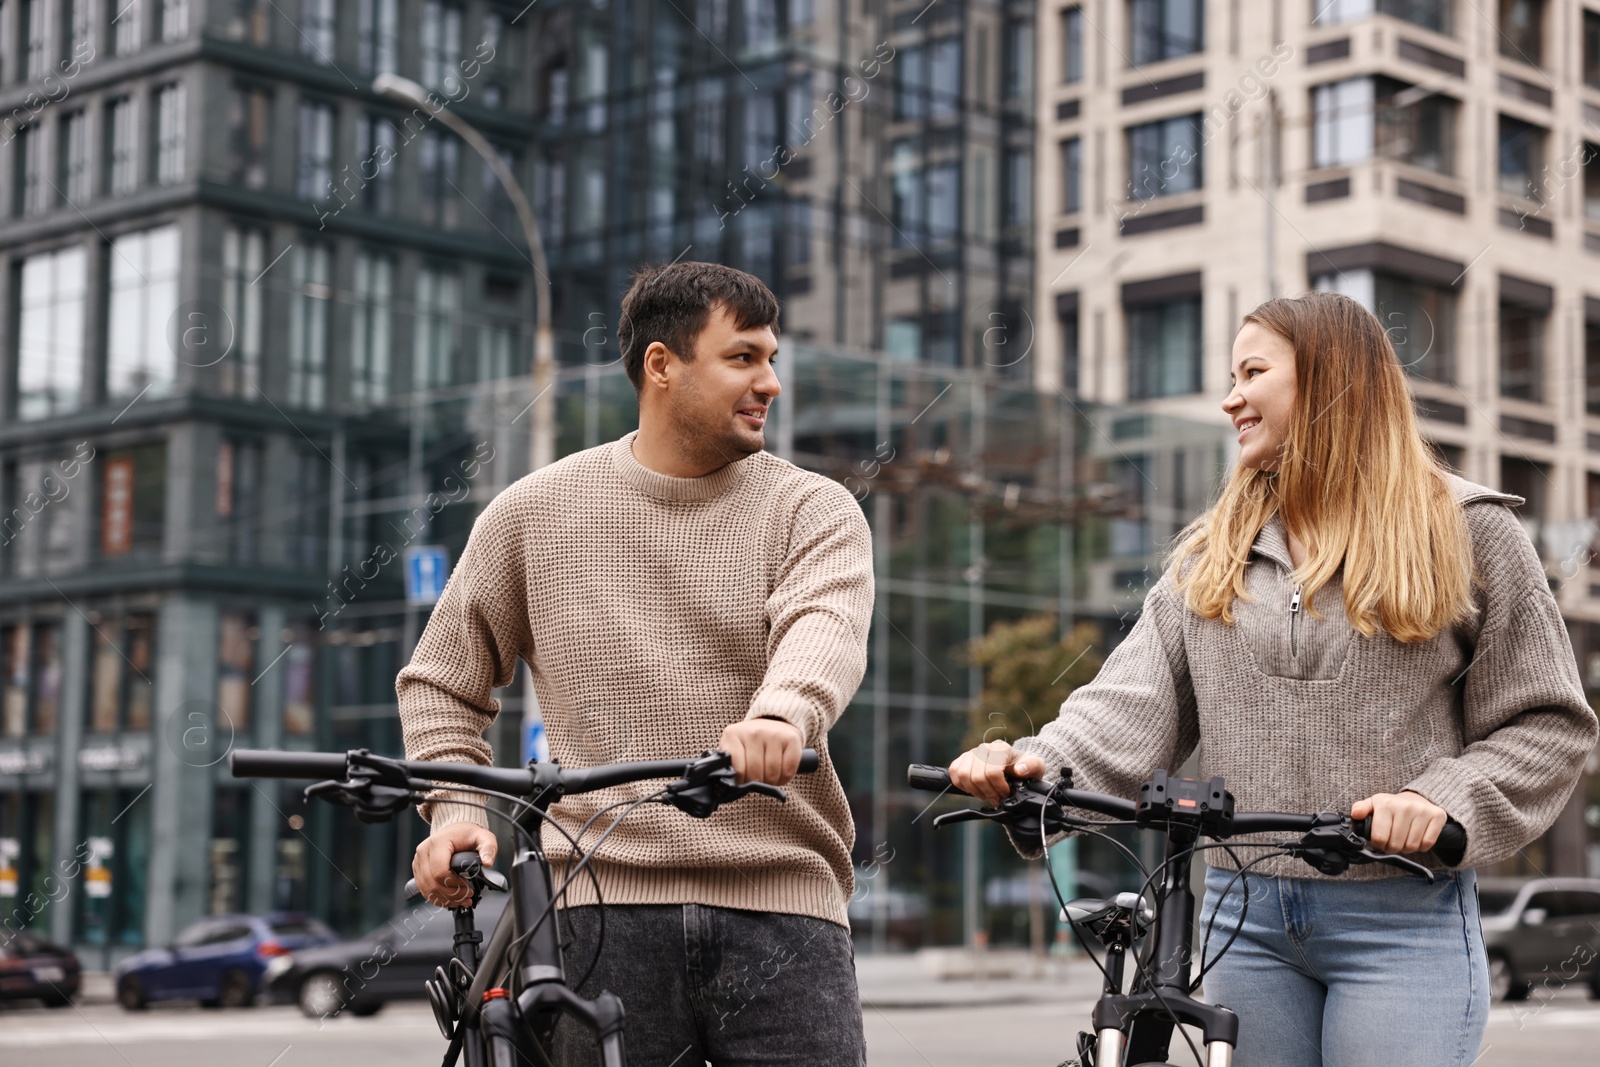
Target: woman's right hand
<point>982,772</point>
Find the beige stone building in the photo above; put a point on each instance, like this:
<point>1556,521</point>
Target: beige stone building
<point>1437,159</point>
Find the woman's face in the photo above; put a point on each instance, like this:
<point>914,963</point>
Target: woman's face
<point>1262,398</point>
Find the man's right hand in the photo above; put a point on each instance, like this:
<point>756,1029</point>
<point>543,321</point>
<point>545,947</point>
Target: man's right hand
<point>982,772</point>
<point>431,864</point>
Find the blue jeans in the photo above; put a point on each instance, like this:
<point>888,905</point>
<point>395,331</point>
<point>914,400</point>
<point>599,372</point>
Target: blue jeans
<point>1331,973</point>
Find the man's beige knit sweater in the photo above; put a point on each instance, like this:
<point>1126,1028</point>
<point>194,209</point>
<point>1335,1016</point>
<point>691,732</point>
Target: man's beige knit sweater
<point>655,611</point>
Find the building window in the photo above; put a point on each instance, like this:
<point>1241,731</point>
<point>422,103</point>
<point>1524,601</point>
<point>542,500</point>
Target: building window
<point>144,296</point>
<point>1521,29</point>
<point>174,20</point>
<point>308,326</point>
<point>75,157</point>
<point>1591,367</point>
<point>1071,176</point>
<point>369,333</point>
<point>1521,158</point>
<point>1355,117</point>
<point>170,120</point>
<point>1530,481</point>
<point>434,355</point>
<point>497,203</point>
<point>945,79</point>
<point>1016,211</point>
<point>315,173</point>
<point>1164,348</point>
<point>1072,45</point>
<point>908,204</point>
<point>1420,318</point>
<point>1342,128</point>
<point>1435,15</point>
<point>1522,338</point>
<point>249,127</point>
<point>309,529</point>
<point>441,46</point>
<point>80,32</point>
<point>1165,29</point>
<point>1164,157</point>
<point>250,22</point>
<point>379,36</point>
<point>30,171</point>
<point>1416,125</point>
<point>244,255</point>
<point>125,18</point>
<point>944,202</point>
<point>1071,358</point>
<point>133,500</point>
<point>35,18</point>
<point>911,83</point>
<point>122,686</point>
<point>1591,48</point>
<point>1591,181</point>
<point>1016,71</point>
<point>375,148</point>
<point>236,662</point>
<point>317,31</point>
<point>50,333</point>
<point>30,659</point>
<point>239,497</point>
<point>122,159</point>
<point>439,156</point>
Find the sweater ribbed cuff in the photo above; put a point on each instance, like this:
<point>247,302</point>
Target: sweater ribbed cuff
<point>438,810</point>
<point>1449,784</point>
<point>794,710</point>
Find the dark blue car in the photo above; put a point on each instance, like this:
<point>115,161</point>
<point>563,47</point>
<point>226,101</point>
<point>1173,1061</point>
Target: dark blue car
<point>217,961</point>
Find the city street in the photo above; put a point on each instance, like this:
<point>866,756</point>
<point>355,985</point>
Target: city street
<point>1565,1031</point>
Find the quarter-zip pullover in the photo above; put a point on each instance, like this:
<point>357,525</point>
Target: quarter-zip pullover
<point>1488,719</point>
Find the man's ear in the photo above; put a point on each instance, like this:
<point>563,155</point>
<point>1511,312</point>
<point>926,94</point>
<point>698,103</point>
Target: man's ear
<point>657,356</point>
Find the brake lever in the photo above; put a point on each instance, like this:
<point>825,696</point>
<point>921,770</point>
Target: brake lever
<point>377,787</point>
<point>1333,847</point>
<point>710,782</point>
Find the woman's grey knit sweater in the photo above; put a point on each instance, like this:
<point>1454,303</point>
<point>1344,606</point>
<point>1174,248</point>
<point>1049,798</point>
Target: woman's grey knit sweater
<point>1299,714</point>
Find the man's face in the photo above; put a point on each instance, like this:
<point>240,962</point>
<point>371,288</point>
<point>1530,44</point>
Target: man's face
<point>718,402</point>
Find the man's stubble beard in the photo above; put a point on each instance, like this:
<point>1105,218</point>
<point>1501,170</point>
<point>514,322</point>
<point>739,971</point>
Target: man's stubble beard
<point>703,438</point>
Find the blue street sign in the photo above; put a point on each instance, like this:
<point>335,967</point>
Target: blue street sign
<point>535,744</point>
<point>427,569</point>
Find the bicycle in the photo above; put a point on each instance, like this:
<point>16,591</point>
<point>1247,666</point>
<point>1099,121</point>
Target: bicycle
<point>500,1006</point>
<point>1136,1027</point>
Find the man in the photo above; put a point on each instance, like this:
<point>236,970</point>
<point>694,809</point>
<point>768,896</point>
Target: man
<point>677,590</point>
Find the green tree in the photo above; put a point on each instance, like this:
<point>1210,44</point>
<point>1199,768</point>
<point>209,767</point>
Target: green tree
<point>1027,672</point>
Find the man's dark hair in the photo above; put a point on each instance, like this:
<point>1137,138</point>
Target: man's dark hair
<point>672,304</point>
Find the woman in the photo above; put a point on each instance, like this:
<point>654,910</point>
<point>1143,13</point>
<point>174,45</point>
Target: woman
<point>1350,628</point>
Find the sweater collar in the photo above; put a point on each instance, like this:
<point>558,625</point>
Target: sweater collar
<point>665,486</point>
<point>1273,540</point>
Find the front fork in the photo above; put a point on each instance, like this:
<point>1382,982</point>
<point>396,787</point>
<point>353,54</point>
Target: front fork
<point>1111,1043</point>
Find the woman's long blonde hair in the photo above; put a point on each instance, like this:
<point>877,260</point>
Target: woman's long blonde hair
<point>1356,485</point>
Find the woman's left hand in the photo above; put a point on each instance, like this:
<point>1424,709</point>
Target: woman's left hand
<point>1401,822</point>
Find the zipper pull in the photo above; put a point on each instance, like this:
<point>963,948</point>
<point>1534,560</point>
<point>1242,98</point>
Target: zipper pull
<point>1294,601</point>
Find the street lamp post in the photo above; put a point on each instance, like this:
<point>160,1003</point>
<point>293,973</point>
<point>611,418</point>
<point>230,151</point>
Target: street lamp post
<point>406,91</point>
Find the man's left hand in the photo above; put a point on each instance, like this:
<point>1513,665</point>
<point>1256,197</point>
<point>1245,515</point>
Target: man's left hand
<point>763,750</point>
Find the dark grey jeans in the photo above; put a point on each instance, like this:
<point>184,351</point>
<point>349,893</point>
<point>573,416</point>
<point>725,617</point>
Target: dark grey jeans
<point>715,985</point>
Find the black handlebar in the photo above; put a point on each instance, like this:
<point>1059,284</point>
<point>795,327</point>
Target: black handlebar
<point>1450,848</point>
<point>268,763</point>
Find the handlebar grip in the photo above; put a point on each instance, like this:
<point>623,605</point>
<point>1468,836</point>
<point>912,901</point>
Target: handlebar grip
<point>809,760</point>
<point>271,763</point>
<point>1451,846</point>
<point>931,779</point>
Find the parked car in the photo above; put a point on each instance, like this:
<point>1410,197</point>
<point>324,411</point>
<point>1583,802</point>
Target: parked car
<point>1545,931</point>
<point>389,963</point>
<point>217,961</point>
<point>31,967</point>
